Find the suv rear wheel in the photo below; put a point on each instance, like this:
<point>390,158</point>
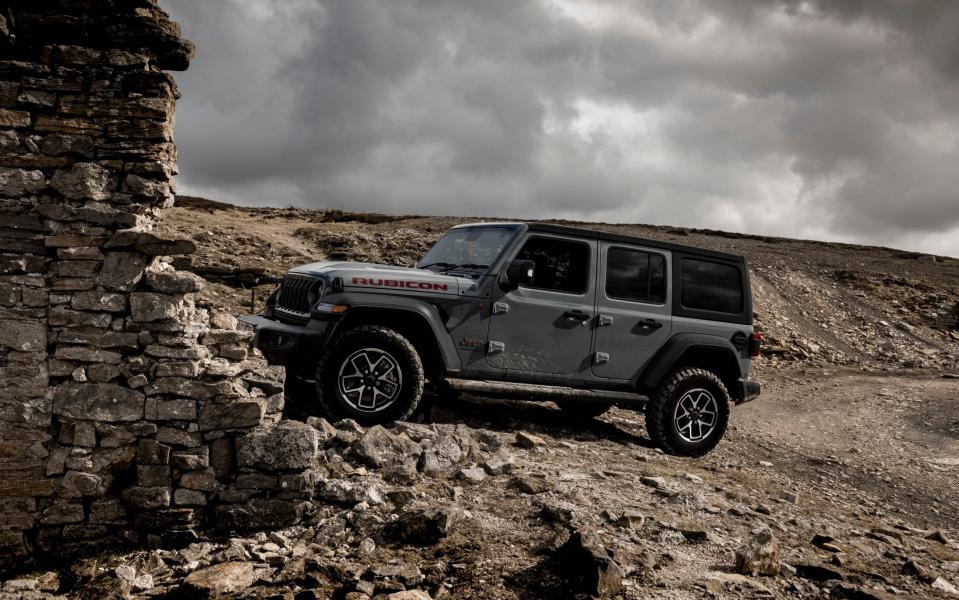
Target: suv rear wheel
<point>689,412</point>
<point>371,374</point>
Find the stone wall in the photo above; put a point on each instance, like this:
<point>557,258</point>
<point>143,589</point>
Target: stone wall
<point>122,402</point>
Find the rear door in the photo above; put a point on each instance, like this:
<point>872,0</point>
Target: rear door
<point>633,306</point>
<point>545,327</point>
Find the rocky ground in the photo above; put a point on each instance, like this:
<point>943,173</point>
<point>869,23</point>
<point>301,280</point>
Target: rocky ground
<point>840,481</point>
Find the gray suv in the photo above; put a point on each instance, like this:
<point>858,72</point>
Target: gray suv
<point>528,311</point>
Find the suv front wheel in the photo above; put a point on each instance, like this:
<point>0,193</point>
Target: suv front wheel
<point>371,374</point>
<point>689,412</point>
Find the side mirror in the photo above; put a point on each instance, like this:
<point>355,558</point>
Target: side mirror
<point>519,272</point>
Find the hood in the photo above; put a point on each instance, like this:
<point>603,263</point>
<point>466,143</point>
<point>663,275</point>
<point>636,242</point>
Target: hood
<point>373,277</point>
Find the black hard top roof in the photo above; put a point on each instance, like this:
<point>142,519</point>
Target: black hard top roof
<point>605,236</point>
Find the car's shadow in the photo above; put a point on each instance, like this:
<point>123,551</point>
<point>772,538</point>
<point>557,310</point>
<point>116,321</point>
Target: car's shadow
<point>490,413</point>
<point>516,415</point>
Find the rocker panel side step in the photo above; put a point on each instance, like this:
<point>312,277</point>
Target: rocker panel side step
<point>529,391</point>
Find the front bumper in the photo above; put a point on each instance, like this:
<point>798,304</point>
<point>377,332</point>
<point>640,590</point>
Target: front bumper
<point>285,343</point>
<point>749,390</point>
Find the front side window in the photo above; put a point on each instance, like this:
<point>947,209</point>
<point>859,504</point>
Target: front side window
<point>636,276</point>
<point>471,248</point>
<point>561,265</point>
<point>712,286</point>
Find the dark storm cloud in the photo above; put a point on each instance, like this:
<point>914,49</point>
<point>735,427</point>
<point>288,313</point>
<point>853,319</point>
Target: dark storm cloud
<point>835,120</point>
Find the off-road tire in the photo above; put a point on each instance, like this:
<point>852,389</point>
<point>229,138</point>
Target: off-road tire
<point>386,340</point>
<point>583,410</point>
<point>661,423</point>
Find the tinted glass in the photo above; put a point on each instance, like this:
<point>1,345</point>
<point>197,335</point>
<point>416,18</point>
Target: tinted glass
<point>636,276</point>
<point>711,286</point>
<point>561,266</point>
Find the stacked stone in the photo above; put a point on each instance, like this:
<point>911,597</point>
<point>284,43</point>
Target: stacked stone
<point>123,401</point>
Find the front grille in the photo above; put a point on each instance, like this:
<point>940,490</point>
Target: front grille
<point>295,294</point>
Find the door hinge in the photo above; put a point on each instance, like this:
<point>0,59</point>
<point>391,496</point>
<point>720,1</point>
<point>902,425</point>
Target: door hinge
<point>600,358</point>
<point>605,320</point>
<point>500,308</point>
<point>495,347</point>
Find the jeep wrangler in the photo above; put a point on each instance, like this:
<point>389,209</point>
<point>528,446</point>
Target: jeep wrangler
<point>527,311</point>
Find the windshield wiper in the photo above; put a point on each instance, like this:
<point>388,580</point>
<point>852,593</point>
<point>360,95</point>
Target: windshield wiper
<point>450,266</point>
<point>465,266</point>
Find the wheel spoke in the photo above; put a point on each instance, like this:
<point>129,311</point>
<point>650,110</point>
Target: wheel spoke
<point>696,415</point>
<point>370,379</point>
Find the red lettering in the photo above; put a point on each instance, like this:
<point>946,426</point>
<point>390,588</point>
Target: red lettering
<point>410,285</point>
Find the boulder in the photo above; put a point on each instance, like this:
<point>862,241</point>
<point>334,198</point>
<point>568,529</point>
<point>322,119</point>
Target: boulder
<point>122,270</point>
<point>84,181</point>
<point>236,415</point>
<point>423,527</point>
<point>98,402</point>
<point>147,306</point>
<point>288,445</point>
<point>760,556</point>
<point>17,182</point>
<point>170,281</point>
<point>222,579</point>
<point>589,566</point>
<point>378,447</point>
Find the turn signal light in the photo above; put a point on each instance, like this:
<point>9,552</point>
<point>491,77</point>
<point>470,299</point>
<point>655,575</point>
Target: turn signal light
<point>333,309</point>
<point>755,342</point>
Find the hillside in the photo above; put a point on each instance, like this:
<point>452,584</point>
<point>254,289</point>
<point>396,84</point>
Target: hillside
<point>838,482</point>
<point>817,303</point>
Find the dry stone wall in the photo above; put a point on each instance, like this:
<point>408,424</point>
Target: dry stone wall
<point>123,404</point>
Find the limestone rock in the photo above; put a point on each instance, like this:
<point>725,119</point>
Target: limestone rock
<point>285,446</point>
<point>423,527</point>
<point>378,447</point>
<point>528,440</point>
<point>760,556</point>
<point>24,336</point>
<point>122,270</point>
<point>174,282</point>
<point>589,566</point>
<point>259,513</point>
<point>98,401</point>
<point>84,181</point>
<point>147,306</point>
<point>237,415</point>
<point>221,579</point>
<point>17,182</point>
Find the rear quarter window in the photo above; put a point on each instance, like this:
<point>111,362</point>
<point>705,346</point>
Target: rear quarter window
<point>712,286</point>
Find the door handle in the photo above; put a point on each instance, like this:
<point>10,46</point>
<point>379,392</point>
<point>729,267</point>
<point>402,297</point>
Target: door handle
<point>650,324</point>
<point>577,316</point>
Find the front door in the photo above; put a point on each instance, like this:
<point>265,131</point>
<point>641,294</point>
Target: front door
<point>546,327</point>
<point>634,319</point>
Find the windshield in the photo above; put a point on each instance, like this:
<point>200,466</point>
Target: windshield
<point>472,248</point>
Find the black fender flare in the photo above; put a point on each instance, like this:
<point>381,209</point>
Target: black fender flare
<point>662,363</point>
<point>401,304</point>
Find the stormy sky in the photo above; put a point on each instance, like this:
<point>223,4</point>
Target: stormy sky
<point>827,120</point>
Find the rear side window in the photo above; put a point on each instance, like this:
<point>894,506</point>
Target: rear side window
<point>712,286</point>
<point>561,265</point>
<point>636,276</point>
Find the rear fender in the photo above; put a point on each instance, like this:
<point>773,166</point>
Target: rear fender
<point>709,352</point>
